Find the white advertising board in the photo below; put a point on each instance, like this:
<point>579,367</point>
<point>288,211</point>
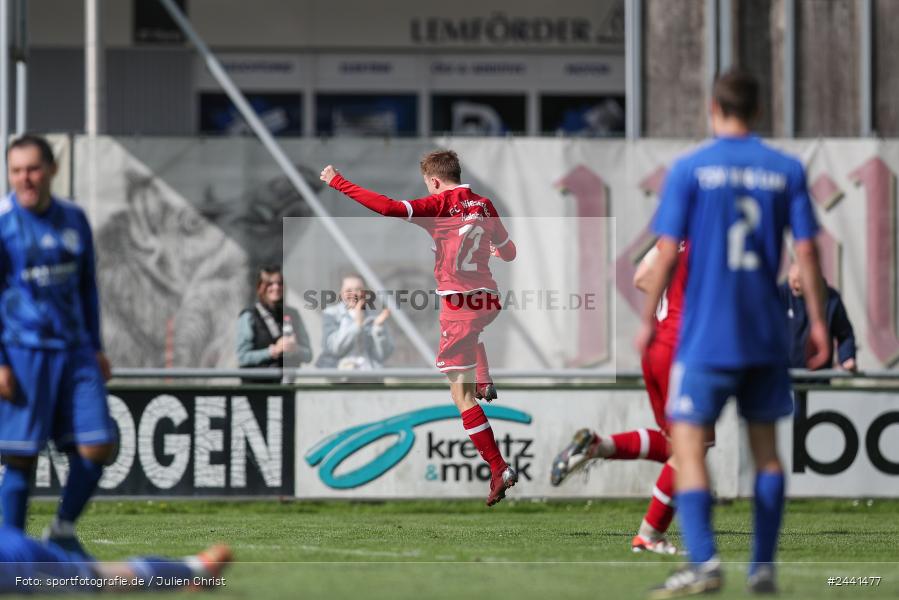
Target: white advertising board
<point>357,444</point>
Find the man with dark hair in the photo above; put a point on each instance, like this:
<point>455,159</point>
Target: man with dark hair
<point>732,200</point>
<point>37,142</point>
<point>52,366</point>
<point>269,334</point>
<point>838,323</point>
<point>467,231</point>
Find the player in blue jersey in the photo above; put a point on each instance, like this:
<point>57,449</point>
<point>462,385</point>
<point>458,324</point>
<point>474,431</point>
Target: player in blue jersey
<point>28,566</point>
<point>52,366</point>
<point>733,199</point>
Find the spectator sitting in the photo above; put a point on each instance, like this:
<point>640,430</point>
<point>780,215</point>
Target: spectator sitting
<point>837,322</point>
<point>269,334</point>
<point>351,339</point>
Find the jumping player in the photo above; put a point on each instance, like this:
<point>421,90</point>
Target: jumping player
<point>467,231</point>
<point>732,199</point>
<point>52,366</point>
<point>645,444</point>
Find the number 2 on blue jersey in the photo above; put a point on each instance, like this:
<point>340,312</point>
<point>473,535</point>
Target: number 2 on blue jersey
<point>739,258</point>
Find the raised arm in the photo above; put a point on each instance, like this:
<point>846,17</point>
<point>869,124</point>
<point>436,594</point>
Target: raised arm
<point>371,200</point>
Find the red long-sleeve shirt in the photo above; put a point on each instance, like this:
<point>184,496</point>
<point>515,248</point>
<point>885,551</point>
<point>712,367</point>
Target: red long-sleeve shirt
<point>462,224</point>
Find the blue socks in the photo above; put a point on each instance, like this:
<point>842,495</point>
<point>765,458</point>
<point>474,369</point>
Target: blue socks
<point>694,512</point>
<point>14,496</point>
<point>768,513</point>
<point>84,475</point>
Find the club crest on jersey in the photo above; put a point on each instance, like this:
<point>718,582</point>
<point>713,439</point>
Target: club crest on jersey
<point>71,240</point>
<point>48,242</point>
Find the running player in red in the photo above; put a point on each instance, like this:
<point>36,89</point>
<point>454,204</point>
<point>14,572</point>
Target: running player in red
<point>467,231</point>
<point>648,444</point>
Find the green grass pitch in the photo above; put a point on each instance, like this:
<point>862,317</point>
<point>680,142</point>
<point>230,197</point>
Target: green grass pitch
<point>460,549</point>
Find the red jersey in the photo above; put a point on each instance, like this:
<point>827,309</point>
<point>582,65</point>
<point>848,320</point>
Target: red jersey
<point>671,306</point>
<point>462,225</point>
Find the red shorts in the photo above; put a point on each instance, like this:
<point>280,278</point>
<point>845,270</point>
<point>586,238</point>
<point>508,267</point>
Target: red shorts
<point>656,370</point>
<point>460,327</point>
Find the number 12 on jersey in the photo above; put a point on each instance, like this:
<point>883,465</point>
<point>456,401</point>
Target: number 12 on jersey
<point>470,244</point>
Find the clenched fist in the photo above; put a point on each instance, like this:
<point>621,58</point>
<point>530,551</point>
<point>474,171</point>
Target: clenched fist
<point>328,174</point>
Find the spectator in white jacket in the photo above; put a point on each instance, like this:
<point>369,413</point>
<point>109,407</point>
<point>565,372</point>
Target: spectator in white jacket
<point>352,339</point>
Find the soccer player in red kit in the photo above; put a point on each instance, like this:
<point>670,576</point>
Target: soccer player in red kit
<point>649,444</point>
<point>467,231</point>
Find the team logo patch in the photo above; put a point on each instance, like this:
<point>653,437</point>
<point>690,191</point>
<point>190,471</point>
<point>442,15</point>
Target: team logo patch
<point>48,242</point>
<point>684,405</point>
<point>71,241</point>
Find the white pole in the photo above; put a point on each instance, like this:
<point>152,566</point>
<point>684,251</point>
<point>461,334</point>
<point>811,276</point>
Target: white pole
<point>725,35</point>
<point>4,86</point>
<point>21,42</point>
<point>237,97</point>
<point>93,69</point>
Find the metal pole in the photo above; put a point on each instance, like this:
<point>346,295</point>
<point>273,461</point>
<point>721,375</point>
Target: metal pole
<point>711,40</point>
<point>789,82</point>
<point>633,60</point>
<point>866,79</point>
<point>21,55</point>
<point>711,51</point>
<point>93,69</point>
<point>4,86</point>
<point>725,34</point>
<point>237,97</point>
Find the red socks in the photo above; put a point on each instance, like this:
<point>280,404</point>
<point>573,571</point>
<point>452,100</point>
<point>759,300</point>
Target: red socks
<point>482,372</point>
<point>661,506</point>
<point>478,429</point>
<point>642,443</point>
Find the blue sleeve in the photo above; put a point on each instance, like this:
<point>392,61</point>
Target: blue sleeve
<point>672,216</point>
<point>90,297</point>
<point>802,216</point>
<point>5,270</point>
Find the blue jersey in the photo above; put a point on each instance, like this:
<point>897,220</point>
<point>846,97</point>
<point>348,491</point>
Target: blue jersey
<point>733,199</point>
<point>48,288</point>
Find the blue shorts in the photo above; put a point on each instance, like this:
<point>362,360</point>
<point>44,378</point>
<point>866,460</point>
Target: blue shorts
<point>698,394</point>
<point>60,395</point>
